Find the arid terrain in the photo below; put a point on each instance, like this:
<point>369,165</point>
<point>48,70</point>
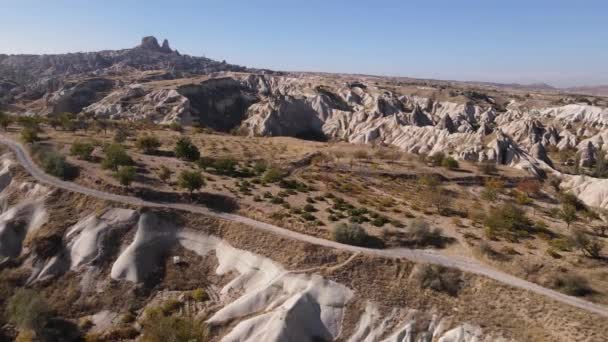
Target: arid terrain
<point>153,196</point>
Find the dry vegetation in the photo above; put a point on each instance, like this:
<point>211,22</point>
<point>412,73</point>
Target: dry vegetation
<point>365,195</point>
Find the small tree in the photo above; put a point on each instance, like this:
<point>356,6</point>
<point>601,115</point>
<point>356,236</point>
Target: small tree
<point>82,150</point>
<point>148,144</point>
<point>190,180</point>
<point>29,135</point>
<point>273,175</point>
<point>568,214</point>
<point>5,120</point>
<point>164,173</point>
<point>487,168</point>
<point>591,246</point>
<point>116,156</point>
<point>125,175</point>
<point>121,135</point>
<point>352,234</point>
<point>186,150</point>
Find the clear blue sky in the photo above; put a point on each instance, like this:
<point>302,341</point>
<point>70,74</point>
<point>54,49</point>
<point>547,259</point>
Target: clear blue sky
<point>563,43</point>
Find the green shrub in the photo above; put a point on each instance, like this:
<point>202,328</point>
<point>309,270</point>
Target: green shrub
<point>116,156</point>
<point>186,150</point>
<point>199,295</point>
<point>450,163</point>
<point>29,135</point>
<point>82,150</point>
<point>309,208</point>
<point>159,328</point>
<point>352,234</point>
<point>273,175</point>
<point>125,175</point>
<point>170,306</point>
<point>190,180</point>
<point>508,221</point>
<point>54,163</point>
<point>260,166</point>
<point>147,143</point>
<point>437,278</point>
<point>571,284</point>
<point>164,173</point>
<point>420,233</point>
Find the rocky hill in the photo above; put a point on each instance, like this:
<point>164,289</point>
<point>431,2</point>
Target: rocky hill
<point>534,128</point>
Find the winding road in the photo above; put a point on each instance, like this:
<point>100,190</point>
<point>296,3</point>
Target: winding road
<point>416,255</point>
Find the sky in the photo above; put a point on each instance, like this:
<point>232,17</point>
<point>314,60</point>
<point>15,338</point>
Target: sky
<point>563,43</point>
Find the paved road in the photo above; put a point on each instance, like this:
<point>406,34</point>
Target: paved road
<point>416,255</point>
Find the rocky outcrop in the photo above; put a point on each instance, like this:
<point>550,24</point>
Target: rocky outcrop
<point>588,155</point>
<point>73,98</point>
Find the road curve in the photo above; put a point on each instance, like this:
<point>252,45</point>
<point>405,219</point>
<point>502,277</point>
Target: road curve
<point>416,255</point>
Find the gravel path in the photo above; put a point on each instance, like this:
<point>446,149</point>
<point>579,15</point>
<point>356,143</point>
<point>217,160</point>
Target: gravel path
<point>416,255</point>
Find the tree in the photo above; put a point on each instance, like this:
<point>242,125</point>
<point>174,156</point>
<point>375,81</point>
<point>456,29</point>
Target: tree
<point>186,150</point>
<point>352,234</point>
<point>591,246</point>
<point>116,156</point>
<point>436,197</point>
<point>29,135</point>
<point>125,175</point>
<point>568,214</point>
<point>82,150</point>
<point>190,180</point>
<point>121,135</point>
<point>68,122</point>
<point>436,159</point>
<point>55,164</point>
<point>5,120</point>
<point>148,144</point>
<point>508,220</point>
<point>164,173</point>
<point>487,167</point>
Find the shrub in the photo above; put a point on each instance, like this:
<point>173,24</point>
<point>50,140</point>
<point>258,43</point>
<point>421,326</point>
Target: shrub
<point>29,135</point>
<point>190,180</point>
<point>125,175</point>
<point>170,306</point>
<point>161,328</point>
<point>224,166</point>
<point>568,214</point>
<point>147,143</point>
<point>115,156</point>
<point>55,164</point>
<point>352,234</point>
<point>260,166</point>
<point>164,173</point>
<point>450,163</point>
<point>199,295</point>
<point>273,175</point>
<point>420,233</point>
<point>27,310</point>
<point>589,245</point>
<point>571,284</point>
<point>82,150</point>
<point>174,126</point>
<point>508,221</point>
<point>309,208</point>
<point>186,150</point>
<point>437,278</point>
<point>121,135</point>
<point>522,198</point>
<point>436,159</point>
